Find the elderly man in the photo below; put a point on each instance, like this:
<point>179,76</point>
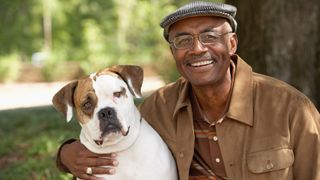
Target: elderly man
<point>220,119</point>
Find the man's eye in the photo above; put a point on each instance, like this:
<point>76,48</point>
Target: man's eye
<point>182,40</point>
<point>117,94</point>
<point>209,37</point>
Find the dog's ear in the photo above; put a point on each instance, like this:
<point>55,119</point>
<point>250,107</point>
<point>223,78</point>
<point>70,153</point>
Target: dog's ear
<point>132,75</point>
<point>63,100</point>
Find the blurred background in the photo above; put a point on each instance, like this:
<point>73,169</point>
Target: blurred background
<point>46,43</point>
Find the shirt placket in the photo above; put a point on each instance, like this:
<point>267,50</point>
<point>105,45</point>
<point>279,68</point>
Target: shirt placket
<point>216,157</point>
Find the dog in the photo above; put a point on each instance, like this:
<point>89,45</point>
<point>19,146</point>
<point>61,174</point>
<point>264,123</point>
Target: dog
<point>110,122</point>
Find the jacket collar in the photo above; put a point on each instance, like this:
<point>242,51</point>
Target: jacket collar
<point>241,102</point>
<point>183,99</point>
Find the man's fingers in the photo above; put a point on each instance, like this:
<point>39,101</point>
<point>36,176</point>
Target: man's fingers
<point>94,162</point>
<point>95,171</point>
<point>100,170</point>
<point>86,153</point>
<point>89,177</point>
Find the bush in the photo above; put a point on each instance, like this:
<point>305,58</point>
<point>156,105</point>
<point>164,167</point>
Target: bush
<point>9,67</point>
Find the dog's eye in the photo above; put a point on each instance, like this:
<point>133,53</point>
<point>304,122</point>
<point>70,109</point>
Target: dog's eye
<point>117,94</point>
<point>87,105</point>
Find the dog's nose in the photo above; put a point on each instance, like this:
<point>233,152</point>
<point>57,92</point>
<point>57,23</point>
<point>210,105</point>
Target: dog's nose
<point>107,113</point>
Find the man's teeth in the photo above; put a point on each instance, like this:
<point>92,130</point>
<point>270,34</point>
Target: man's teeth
<point>201,63</point>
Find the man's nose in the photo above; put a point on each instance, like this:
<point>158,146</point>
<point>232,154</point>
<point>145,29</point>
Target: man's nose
<point>198,46</point>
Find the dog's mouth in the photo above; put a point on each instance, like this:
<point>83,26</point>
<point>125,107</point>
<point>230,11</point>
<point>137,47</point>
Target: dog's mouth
<point>123,132</point>
<point>98,142</point>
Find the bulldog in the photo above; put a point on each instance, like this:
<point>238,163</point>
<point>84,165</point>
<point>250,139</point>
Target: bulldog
<point>110,122</point>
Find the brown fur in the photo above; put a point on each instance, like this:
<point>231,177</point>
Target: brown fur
<point>84,93</point>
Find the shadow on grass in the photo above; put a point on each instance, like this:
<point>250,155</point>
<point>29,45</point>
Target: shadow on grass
<point>29,141</point>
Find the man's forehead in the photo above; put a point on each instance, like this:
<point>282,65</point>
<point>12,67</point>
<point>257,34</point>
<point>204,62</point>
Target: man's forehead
<point>198,24</point>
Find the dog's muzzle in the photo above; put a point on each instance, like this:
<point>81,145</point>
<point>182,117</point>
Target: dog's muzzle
<point>109,121</point>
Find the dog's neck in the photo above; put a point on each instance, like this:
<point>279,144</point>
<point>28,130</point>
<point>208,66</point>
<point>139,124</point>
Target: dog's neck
<point>125,143</point>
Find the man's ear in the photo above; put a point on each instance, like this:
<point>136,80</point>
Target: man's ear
<point>63,100</point>
<point>233,44</point>
<point>132,75</point>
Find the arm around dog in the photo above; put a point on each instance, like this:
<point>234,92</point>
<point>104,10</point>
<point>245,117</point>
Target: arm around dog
<point>75,158</point>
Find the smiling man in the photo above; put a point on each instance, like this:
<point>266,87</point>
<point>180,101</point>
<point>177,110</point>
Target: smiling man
<point>220,119</point>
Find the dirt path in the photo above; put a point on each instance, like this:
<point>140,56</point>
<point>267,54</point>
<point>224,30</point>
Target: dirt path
<point>40,94</point>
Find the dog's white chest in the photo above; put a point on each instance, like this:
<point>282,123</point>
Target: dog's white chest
<point>147,159</point>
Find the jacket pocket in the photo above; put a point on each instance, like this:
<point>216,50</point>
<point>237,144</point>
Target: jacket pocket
<point>270,160</point>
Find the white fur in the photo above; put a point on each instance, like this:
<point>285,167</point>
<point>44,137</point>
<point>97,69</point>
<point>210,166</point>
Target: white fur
<point>135,93</point>
<point>69,112</point>
<point>142,154</point>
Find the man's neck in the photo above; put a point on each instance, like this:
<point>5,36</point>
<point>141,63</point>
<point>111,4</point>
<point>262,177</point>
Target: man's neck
<point>213,99</point>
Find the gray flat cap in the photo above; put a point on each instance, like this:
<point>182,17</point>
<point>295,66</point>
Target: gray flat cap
<point>199,8</point>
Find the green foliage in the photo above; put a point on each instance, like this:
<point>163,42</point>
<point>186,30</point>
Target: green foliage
<point>29,142</point>
<point>9,68</point>
<point>20,26</point>
<point>55,69</point>
<point>93,33</point>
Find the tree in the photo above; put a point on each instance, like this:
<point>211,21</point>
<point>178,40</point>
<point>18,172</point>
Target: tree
<point>281,39</point>
<point>20,27</point>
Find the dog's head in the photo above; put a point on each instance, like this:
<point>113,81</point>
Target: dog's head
<point>103,102</point>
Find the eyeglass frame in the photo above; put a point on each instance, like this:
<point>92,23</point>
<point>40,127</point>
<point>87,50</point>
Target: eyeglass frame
<point>197,36</point>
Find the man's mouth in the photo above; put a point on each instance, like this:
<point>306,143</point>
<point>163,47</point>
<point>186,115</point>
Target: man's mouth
<point>200,63</point>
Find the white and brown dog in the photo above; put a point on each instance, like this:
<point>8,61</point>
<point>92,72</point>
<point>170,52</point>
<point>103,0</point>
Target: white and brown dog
<point>111,122</point>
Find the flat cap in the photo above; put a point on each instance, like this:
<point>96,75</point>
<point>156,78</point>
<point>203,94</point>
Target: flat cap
<point>199,8</point>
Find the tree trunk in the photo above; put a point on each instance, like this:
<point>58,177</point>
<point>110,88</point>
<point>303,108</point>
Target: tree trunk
<point>281,39</point>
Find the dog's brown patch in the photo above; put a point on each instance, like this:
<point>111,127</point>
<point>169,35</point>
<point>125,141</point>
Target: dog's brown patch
<point>85,100</point>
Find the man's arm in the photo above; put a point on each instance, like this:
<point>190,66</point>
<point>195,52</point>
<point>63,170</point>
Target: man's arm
<point>75,158</point>
<point>305,133</point>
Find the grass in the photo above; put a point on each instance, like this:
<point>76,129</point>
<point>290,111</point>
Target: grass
<point>29,139</point>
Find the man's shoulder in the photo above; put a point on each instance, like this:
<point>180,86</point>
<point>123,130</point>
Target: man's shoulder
<point>160,105</point>
<point>268,85</point>
<point>169,92</point>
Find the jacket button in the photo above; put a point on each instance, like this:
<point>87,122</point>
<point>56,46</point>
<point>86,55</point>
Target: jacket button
<point>181,155</point>
<point>215,138</point>
<point>270,165</point>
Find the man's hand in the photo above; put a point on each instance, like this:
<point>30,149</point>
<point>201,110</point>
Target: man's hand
<point>77,158</point>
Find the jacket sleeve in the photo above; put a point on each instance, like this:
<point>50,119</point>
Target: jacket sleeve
<point>305,134</point>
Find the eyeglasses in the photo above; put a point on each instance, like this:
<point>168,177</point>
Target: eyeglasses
<point>187,41</point>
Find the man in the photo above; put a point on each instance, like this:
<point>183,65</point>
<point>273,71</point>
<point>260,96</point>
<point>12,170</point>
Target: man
<point>220,119</point>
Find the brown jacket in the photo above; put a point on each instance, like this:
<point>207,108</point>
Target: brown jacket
<point>271,131</point>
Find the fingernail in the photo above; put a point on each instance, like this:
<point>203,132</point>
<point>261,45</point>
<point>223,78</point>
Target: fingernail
<point>115,163</point>
<point>112,171</point>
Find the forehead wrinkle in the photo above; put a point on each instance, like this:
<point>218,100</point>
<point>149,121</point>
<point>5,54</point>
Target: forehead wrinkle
<point>189,25</point>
